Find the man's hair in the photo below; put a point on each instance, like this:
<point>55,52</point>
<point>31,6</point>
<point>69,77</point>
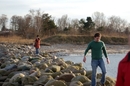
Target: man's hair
<point>37,35</point>
<point>37,38</point>
<point>97,35</point>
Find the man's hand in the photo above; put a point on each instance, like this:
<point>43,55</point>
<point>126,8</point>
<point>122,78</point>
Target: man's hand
<point>84,59</point>
<point>108,61</point>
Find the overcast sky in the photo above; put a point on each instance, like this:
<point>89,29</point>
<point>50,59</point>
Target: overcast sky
<point>73,8</point>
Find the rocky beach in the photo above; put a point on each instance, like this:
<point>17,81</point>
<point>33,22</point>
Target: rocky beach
<point>19,66</point>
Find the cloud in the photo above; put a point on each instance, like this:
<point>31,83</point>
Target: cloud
<point>73,8</point>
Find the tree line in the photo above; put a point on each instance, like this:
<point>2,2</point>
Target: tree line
<point>37,22</point>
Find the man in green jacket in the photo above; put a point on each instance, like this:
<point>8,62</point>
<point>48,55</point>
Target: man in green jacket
<point>97,48</point>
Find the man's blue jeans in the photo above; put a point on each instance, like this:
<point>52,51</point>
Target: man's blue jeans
<point>37,50</point>
<point>95,64</point>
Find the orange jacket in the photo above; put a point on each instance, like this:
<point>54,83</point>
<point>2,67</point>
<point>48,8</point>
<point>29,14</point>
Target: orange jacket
<point>123,76</point>
<point>37,43</point>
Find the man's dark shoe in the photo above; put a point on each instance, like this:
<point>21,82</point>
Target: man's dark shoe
<point>102,85</point>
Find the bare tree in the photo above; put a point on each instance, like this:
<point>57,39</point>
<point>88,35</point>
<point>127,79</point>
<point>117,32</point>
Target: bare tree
<point>127,29</point>
<point>3,20</point>
<point>36,20</point>
<point>117,24</point>
<point>14,22</point>
<point>63,22</point>
<point>26,29</point>
<point>99,19</point>
<point>74,24</point>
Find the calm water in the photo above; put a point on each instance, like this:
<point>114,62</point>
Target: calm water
<point>111,68</point>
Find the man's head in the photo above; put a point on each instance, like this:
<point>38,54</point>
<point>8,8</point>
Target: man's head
<point>97,37</point>
<point>37,35</point>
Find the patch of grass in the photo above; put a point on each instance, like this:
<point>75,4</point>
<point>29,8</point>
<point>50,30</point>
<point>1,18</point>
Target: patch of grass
<point>73,39</point>
<point>15,39</point>
<point>83,39</point>
<point>115,40</point>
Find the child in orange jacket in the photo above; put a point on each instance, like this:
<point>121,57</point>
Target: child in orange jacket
<point>37,44</point>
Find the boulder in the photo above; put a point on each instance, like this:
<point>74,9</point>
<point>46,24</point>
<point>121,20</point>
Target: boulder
<point>66,77</point>
<point>17,78</point>
<point>55,83</point>
<point>11,84</point>
<point>76,83</point>
<point>69,62</point>
<point>110,81</point>
<point>36,73</point>
<point>3,78</point>
<point>81,78</point>
<point>43,66</point>
<point>43,80</point>
<point>55,68</point>
<point>3,72</point>
<point>54,75</point>
<point>29,80</point>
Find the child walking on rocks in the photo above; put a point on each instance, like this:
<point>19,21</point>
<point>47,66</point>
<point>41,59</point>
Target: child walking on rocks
<point>37,44</point>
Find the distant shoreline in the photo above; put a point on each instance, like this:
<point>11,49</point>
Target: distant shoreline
<point>79,49</point>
